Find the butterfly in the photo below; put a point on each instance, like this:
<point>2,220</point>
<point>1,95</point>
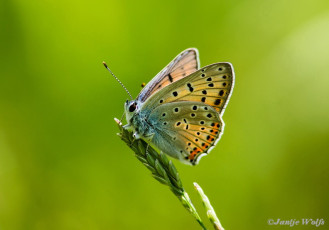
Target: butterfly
<point>179,112</point>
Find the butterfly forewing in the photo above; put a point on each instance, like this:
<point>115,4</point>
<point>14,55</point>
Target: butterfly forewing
<point>184,64</point>
<point>211,85</point>
<point>186,130</point>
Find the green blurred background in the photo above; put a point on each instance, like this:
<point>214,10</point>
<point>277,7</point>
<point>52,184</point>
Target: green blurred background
<point>62,165</point>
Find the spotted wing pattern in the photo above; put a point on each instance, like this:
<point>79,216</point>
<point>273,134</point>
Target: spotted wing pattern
<point>186,130</point>
<point>187,113</point>
<point>184,64</point>
<point>211,85</point>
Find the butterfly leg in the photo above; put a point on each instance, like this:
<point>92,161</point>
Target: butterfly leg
<point>149,137</point>
<point>128,127</point>
<point>147,148</point>
<point>136,136</point>
<point>122,116</point>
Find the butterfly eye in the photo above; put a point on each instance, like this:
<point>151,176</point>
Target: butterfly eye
<point>132,107</point>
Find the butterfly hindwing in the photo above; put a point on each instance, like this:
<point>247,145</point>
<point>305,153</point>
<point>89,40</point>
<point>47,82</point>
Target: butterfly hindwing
<point>186,130</point>
<point>184,64</point>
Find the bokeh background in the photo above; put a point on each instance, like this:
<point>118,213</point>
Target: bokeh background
<point>62,165</point>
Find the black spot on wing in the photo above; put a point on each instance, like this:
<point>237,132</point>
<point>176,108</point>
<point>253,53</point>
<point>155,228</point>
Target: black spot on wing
<point>170,77</point>
<point>217,102</point>
<point>190,87</point>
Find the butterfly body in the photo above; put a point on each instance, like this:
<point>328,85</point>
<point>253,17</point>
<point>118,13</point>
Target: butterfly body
<point>139,122</point>
<point>180,111</point>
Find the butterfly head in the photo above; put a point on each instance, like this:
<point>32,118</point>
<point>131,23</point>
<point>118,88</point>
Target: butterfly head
<point>131,108</point>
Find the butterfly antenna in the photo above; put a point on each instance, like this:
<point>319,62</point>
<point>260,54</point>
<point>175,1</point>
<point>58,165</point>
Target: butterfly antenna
<point>117,80</point>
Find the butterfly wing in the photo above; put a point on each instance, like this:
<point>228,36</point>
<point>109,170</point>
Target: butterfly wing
<point>202,98</point>
<point>186,130</point>
<point>211,85</point>
<point>184,64</point>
